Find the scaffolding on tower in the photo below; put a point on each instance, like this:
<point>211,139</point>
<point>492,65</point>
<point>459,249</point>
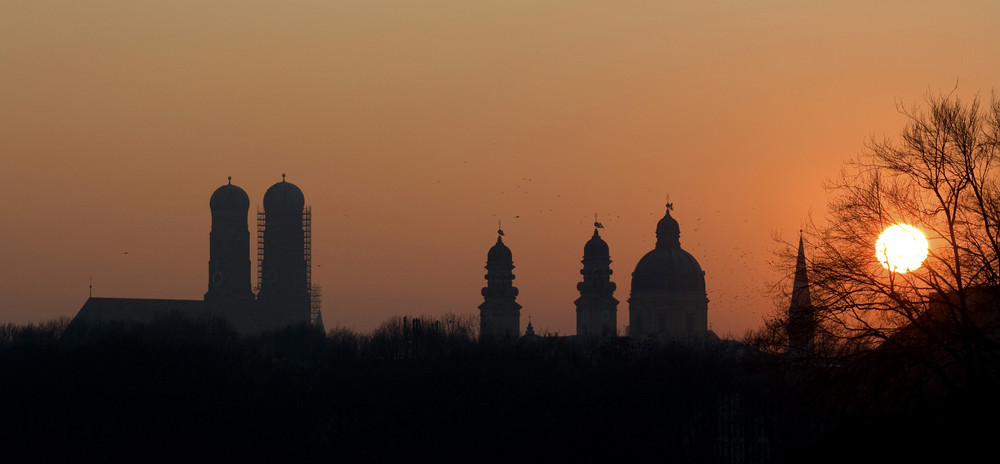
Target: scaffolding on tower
<point>260,247</point>
<point>315,301</point>
<point>315,298</point>
<point>307,243</point>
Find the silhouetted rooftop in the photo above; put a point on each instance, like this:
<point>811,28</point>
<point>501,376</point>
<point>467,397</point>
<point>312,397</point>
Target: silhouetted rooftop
<point>668,232</point>
<point>596,248</point>
<point>229,198</point>
<point>284,197</point>
<point>668,267</point>
<point>499,254</point>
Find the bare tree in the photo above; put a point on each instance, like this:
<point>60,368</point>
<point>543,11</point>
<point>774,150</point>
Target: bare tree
<point>940,322</point>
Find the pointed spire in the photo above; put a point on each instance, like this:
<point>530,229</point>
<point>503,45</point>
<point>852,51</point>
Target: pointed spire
<point>801,320</point>
<point>800,288</point>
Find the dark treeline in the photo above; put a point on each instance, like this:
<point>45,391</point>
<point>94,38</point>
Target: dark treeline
<point>181,390</point>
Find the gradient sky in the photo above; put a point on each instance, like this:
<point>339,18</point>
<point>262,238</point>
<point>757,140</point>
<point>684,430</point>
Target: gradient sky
<point>413,126</point>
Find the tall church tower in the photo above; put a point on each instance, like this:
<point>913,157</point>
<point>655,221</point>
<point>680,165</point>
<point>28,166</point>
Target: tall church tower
<point>597,308</point>
<point>284,280</point>
<point>499,315</point>
<point>801,320</point>
<point>668,299</point>
<point>229,246</point>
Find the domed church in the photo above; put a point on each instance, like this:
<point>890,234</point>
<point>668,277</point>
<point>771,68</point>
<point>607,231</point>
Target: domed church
<point>668,299</point>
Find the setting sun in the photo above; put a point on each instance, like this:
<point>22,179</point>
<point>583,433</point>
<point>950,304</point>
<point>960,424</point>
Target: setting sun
<point>901,248</point>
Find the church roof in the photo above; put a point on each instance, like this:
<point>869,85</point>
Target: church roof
<point>104,310</point>
<point>668,269</point>
<point>596,248</point>
<point>668,266</point>
<point>229,198</point>
<point>284,197</point>
<point>499,254</point>
<point>668,232</point>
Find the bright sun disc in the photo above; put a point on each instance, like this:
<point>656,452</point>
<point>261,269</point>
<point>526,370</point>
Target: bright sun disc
<point>901,248</point>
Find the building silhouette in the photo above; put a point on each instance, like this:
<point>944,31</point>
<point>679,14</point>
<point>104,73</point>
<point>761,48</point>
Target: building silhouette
<point>499,314</point>
<point>284,252</point>
<point>286,296</point>
<point>801,314</point>
<point>597,308</point>
<point>229,246</point>
<point>668,299</point>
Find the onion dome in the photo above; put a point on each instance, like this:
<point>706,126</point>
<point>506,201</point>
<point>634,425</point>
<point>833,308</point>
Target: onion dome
<point>668,267</point>
<point>229,198</point>
<point>596,248</point>
<point>284,197</point>
<point>499,254</point>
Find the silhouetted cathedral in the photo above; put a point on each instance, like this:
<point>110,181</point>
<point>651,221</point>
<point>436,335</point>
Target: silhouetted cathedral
<point>499,315</point>
<point>597,308</point>
<point>285,296</point>
<point>668,299</point>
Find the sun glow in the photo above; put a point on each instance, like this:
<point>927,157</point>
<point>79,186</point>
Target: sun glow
<point>901,248</point>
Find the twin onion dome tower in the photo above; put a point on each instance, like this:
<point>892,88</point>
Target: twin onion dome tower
<point>668,299</point>
<point>285,295</point>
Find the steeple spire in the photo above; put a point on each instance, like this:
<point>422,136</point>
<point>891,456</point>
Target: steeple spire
<point>801,318</point>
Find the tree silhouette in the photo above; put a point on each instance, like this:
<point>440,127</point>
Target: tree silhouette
<point>902,338</point>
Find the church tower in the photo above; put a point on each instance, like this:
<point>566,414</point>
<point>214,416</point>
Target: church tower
<point>499,315</point>
<point>801,320</point>
<point>668,299</point>
<point>284,266</point>
<point>597,308</point>
<point>229,246</point>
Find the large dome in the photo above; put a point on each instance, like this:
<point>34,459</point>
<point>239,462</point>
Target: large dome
<point>499,254</point>
<point>284,197</point>
<point>229,198</point>
<point>668,267</point>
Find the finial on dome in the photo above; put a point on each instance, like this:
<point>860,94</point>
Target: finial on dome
<point>499,229</point>
<point>282,177</point>
<point>230,180</point>
<point>597,224</point>
<point>670,207</point>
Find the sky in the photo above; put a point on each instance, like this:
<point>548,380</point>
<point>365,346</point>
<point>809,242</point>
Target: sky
<point>412,127</point>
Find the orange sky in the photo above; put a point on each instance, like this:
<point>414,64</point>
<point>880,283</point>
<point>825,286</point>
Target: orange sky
<point>412,126</point>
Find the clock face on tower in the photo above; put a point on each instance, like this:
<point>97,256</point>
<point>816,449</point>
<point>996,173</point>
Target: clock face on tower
<point>218,278</point>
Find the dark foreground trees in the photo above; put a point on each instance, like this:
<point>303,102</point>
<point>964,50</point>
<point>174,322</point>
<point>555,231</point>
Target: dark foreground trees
<point>178,390</point>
